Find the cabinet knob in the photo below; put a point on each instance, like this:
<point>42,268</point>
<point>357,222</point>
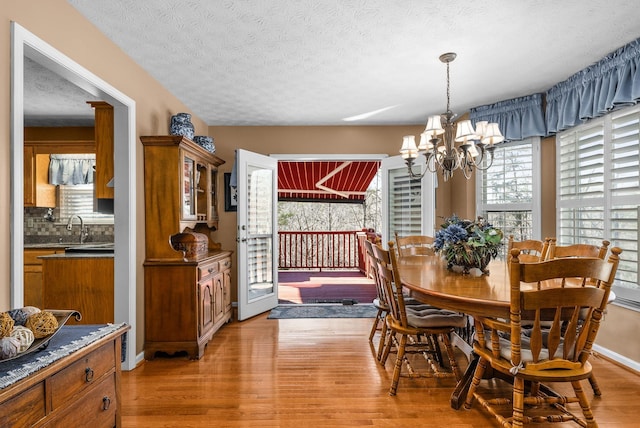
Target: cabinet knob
<point>210,270</point>
<point>106,402</point>
<point>88,374</point>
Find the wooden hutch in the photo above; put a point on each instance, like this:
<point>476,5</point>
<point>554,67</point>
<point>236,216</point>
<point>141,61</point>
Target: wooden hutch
<point>187,294</point>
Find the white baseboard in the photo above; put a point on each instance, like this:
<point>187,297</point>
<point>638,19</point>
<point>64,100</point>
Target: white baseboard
<point>621,359</point>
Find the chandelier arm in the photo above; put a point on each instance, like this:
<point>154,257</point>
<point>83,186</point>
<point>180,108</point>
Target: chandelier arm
<point>489,162</point>
<point>430,162</point>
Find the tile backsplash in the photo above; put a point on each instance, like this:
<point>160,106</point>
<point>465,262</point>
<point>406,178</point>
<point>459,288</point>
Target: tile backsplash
<point>38,230</point>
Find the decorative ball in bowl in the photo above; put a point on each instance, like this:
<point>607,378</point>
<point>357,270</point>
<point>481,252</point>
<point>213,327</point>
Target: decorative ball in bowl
<point>205,142</point>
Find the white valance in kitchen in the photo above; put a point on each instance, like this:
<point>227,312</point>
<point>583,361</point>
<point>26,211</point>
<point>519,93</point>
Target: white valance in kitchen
<point>72,169</point>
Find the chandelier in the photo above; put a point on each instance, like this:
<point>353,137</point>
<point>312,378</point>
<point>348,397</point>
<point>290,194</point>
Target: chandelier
<point>437,142</point>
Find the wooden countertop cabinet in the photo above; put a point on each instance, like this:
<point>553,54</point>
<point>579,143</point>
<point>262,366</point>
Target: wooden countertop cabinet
<point>186,302</point>
<point>78,390</point>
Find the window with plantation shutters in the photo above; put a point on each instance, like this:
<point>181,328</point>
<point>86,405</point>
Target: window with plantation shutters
<point>405,206</point>
<point>408,204</point>
<point>78,200</point>
<point>509,190</point>
<point>599,191</point>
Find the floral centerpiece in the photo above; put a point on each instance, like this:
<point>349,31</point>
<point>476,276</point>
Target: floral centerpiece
<point>466,243</point>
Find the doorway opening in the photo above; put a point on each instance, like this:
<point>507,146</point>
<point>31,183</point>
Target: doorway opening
<point>326,209</point>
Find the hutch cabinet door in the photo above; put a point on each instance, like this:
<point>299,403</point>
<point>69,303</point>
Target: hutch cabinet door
<point>188,187</point>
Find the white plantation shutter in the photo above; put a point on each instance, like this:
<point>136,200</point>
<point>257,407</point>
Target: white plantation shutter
<point>624,190</point>
<point>79,200</point>
<point>509,189</point>
<point>581,185</point>
<point>405,204</point>
<point>599,191</point>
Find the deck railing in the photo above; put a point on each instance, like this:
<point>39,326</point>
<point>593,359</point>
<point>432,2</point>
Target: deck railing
<point>320,250</point>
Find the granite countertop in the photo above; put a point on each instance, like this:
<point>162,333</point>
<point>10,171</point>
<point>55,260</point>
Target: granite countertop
<point>77,256</point>
<point>75,250</point>
<point>56,245</point>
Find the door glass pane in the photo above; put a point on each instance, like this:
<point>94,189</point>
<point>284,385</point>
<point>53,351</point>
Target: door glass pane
<point>188,202</point>
<point>259,231</point>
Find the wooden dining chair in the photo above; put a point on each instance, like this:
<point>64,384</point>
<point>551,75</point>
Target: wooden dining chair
<point>582,250</point>
<point>556,292</point>
<point>414,245</point>
<point>531,250</point>
<point>379,302</point>
<point>414,330</point>
<point>577,250</point>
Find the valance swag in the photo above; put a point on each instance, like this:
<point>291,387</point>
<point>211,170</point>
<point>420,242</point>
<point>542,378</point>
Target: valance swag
<point>71,169</point>
<point>612,82</point>
<point>518,118</point>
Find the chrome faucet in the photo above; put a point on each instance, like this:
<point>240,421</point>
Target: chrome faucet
<point>83,232</point>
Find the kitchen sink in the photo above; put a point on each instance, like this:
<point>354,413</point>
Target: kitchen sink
<point>91,248</point>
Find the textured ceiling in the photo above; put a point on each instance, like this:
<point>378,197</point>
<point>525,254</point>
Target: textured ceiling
<point>316,62</point>
<point>50,100</point>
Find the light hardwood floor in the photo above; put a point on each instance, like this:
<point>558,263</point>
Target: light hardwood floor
<point>317,373</point>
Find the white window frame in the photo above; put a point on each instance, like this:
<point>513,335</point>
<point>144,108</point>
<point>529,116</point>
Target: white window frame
<point>533,206</point>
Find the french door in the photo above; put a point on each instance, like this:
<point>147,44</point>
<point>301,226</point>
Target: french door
<point>257,234</point>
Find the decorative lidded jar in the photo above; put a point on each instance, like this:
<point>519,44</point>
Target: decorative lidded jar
<point>181,125</point>
<point>205,142</point>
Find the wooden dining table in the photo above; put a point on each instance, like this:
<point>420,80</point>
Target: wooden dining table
<point>429,281</point>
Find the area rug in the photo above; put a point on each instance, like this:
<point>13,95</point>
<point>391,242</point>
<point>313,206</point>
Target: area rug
<point>322,311</point>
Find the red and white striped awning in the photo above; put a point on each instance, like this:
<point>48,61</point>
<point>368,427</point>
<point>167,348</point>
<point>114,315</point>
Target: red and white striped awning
<point>326,181</point>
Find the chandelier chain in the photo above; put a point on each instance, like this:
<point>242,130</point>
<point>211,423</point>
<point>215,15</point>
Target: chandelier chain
<point>448,90</point>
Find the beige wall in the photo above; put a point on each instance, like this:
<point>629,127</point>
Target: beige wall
<point>60,25</point>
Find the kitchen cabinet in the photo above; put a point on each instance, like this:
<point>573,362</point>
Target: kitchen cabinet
<point>82,282</point>
<point>80,389</point>
<point>33,290</point>
<point>39,143</point>
<point>103,136</point>
<point>186,302</point>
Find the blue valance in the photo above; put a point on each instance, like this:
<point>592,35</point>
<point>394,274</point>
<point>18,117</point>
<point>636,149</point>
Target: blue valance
<point>612,82</point>
<point>71,169</point>
<point>518,118</point>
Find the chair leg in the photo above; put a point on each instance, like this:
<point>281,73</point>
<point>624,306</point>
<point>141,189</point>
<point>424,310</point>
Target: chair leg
<point>477,377</point>
<point>383,340</point>
<point>435,345</point>
<point>387,349</point>
<point>594,385</point>
<point>518,402</point>
<point>376,321</point>
<point>584,404</point>
<point>452,357</point>
<point>398,366</point>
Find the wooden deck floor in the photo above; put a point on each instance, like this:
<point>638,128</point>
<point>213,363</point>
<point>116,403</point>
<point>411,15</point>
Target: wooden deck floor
<point>317,373</point>
<point>324,287</point>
